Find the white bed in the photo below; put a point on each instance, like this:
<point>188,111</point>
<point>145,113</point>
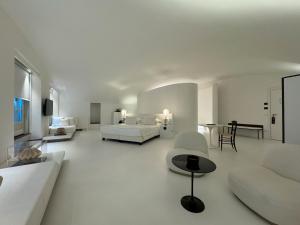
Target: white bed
<point>133,133</point>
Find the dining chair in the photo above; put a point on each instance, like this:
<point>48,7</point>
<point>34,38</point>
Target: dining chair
<point>229,138</point>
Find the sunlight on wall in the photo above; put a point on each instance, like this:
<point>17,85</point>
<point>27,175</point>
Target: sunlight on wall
<point>129,103</point>
<point>177,81</point>
<point>232,6</point>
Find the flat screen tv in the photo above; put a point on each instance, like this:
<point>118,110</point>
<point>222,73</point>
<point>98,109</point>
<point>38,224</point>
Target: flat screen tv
<point>48,107</point>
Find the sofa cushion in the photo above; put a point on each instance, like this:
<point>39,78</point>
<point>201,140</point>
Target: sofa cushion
<point>272,196</point>
<point>64,122</point>
<point>284,159</point>
<point>56,120</point>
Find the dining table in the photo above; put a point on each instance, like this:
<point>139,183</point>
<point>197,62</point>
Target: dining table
<point>210,127</point>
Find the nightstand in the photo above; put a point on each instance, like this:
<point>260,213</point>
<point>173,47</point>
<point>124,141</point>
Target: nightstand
<point>167,131</point>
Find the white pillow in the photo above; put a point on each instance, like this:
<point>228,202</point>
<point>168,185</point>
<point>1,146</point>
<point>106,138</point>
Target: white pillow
<point>56,121</point>
<point>72,121</point>
<point>148,121</point>
<point>64,122</point>
<point>130,120</point>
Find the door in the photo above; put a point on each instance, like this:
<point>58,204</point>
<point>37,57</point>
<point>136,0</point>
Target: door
<point>276,114</point>
<point>95,113</point>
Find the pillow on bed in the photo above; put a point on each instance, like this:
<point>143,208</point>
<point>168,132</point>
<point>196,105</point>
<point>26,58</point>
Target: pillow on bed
<point>148,120</point>
<point>130,120</point>
<point>64,122</point>
<point>56,121</point>
<point>72,121</point>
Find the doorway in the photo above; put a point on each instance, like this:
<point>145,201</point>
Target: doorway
<point>95,113</point>
<point>276,114</point>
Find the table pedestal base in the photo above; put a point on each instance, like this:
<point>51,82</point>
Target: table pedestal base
<point>192,204</point>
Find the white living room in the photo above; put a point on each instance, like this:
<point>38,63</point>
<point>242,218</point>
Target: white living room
<point>149,112</point>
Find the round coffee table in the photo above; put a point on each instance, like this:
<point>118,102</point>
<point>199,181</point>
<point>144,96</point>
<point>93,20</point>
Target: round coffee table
<point>193,164</point>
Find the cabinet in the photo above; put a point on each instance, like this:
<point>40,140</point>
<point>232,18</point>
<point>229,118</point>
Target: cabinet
<point>167,131</point>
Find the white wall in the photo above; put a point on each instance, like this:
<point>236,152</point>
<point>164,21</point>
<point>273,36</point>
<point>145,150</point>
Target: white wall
<point>80,108</point>
<point>36,109</point>
<point>22,83</point>
<point>242,99</point>
<point>207,104</point>
<point>130,104</point>
<point>180,99</point>
<point>54,96</point>
<point>12,44</point>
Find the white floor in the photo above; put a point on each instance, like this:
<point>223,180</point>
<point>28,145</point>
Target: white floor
<point>114,183</point>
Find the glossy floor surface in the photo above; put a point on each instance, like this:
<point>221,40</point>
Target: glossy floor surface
<point>112,183</point>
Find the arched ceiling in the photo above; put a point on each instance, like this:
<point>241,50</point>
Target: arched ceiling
<point>113,48</point>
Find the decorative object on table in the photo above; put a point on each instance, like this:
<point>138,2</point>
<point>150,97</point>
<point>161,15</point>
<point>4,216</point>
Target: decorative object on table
<point>193,164</point>
<point>229,138</point>
<point>30,153</point>
<point>60,131</point>
<point>190,142</point>
<point>30,161</point>
<point>1,179</point>
<point>16,152</point>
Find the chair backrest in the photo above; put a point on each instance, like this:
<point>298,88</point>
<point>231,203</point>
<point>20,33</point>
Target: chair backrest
<point>191,140</point>
<point>284,160</point>
<point>233,128</point>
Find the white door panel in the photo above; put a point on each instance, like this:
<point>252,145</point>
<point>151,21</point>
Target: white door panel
<point>276,114</point>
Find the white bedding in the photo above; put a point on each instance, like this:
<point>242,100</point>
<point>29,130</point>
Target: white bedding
<point>131,130</point>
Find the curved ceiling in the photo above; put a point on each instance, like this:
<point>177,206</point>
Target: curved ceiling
<point>110,49</point>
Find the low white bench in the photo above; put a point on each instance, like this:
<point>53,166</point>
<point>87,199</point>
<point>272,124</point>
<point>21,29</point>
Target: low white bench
<point>256,127</point>
<point>25,190</point>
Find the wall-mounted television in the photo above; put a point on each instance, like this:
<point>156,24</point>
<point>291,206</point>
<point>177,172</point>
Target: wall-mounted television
<point>48,107</point>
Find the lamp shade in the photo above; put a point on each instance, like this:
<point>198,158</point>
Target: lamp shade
<point>123,113</point>
<point>166,112</point>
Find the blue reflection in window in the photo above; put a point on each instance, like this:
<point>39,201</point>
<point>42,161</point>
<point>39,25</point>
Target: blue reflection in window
<point>18,110</point>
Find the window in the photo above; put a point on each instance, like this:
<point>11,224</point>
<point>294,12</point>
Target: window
<point>54,96</point>
<point>22,99</point>
<point>18,110</point>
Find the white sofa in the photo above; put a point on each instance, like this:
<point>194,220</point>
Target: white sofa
<point>189,142</point>
<point>272,189</point>
<point>68,123</point>
<point>25,191</point>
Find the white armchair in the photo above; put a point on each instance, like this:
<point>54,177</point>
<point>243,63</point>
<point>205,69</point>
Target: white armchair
<point>190,142</point>
<point>272,189</point>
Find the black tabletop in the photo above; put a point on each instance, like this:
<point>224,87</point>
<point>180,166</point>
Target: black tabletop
<point>204,165</point>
